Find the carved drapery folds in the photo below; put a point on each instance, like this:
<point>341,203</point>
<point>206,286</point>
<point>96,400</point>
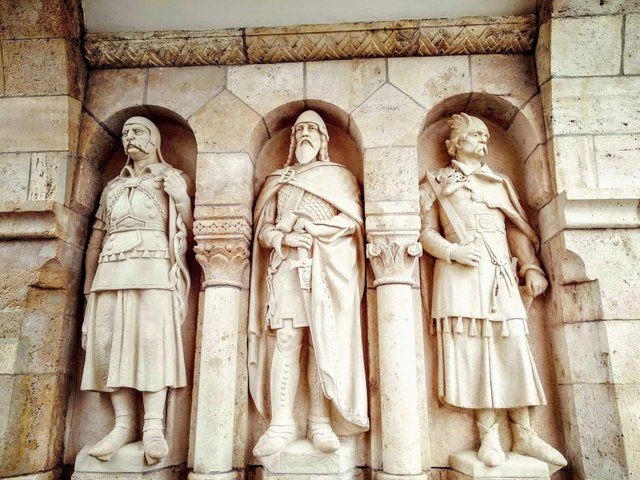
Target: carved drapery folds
<point>393,259</point>
<point>222,249</point>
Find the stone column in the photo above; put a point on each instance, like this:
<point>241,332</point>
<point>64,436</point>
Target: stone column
<point>394,258</point>
<point>223,253</point>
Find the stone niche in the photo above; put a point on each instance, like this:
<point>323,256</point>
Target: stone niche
<point>90,414</point>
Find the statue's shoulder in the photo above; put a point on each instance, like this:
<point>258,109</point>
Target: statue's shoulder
<point>449,174</point>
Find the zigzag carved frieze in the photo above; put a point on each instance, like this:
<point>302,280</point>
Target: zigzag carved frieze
<point>474,35</point>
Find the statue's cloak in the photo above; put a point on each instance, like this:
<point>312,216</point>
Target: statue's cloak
<point>336,292</point>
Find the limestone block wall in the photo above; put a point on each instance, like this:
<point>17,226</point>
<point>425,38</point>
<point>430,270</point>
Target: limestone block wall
<point>587,59</point>
<point>42,228</point>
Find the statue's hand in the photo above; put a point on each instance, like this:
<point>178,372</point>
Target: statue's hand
<point>536,283</point>
<point>176,187</point>
<point>466,254</point>
<point>297,240</point>
<point>303,225</point>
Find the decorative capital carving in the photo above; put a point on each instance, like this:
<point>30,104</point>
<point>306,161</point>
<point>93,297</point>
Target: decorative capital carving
<point>222,250</point>
<point>393,260</point>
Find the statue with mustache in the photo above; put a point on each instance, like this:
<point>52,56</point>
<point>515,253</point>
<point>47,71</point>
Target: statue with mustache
<point>136,287</point>
<point>306,287</point>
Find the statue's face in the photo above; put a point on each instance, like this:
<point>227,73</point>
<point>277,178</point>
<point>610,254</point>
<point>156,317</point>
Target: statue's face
<point>308,142</point>
<point>136,140</point>
<point>473,143</point>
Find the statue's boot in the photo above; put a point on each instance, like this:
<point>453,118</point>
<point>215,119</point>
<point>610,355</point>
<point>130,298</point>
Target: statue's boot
<point>490,452</point>
<point>154,442</point>
<point>124,429</point>
<point>527,442</point>
<point>285,376</point>
<point>319,429</point>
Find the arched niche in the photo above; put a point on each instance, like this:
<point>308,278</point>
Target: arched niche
<point>510,134</point>
<point>90,414</point>
<point>345,148</point>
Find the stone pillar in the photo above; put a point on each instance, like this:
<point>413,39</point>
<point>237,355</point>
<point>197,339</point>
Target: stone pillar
<point>393,259</point>
<point>223,253</point>
<point>42,229</point>
<point>588,60</point>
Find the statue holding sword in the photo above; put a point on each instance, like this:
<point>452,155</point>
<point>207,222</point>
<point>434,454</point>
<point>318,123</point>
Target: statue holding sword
<point>474,226</point>
<point>306,287</point>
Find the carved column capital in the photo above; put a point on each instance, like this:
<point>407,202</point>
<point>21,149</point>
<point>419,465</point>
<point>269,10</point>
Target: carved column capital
<point>223,249</point>
<point>393,258</point>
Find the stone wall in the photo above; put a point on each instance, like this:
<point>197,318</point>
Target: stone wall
<point>588,64</point>
<point>42,229</point>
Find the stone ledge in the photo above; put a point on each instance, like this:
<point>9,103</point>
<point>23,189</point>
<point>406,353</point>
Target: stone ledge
<point>463,36</point>
<point>588,209</point>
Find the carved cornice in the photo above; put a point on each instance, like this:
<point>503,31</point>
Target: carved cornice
<point>223,250</point>
<point>469,35</point>
<point>393,260</point>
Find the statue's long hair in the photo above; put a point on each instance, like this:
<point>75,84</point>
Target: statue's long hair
<point>323,153</point>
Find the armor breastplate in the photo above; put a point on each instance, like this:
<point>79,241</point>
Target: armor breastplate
<point>292,198</point>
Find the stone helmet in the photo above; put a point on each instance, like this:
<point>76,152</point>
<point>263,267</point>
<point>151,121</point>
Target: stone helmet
<point>153,130</point>
<point>311,116</point>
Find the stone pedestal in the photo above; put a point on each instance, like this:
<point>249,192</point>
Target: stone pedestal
<point>467,466</point>
<point>300,460</point>
<point>130,463</point>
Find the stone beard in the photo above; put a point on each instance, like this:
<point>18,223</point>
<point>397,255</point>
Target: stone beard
<point>137,285</point>
<point>473,224</point>
<point>307,285</point>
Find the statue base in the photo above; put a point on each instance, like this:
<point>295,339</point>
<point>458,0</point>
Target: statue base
<point>300,460</point>
<point>128,463</point>
<point>467,466</point>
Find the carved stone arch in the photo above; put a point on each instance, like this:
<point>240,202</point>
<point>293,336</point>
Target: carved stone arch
<point>517,148</point>
<point>101,158</point>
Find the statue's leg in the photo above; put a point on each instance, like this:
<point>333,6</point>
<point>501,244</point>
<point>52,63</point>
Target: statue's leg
<point>153,441</point>
<point>527,442</point>
<point>319,428</point>
<point>490,452</point>
<point>285,376</point>
<point>124,408</point>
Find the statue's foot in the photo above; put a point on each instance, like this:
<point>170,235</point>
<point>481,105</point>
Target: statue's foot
<point>155,445</point>
<point>115,439</point>
<point>490,452</point>
<point>322,436</point>
<point>527,442</point>
<point>275,439</point>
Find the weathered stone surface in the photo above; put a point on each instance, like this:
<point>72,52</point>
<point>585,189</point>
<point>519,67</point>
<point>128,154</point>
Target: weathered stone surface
<point>572,8</point>
<point>184,90</point>
<point>631,54</point>
<point>36,67</point>
<point>586,46</point>
<point>592,105</point>
<point>52,123</point>
<point>595,444</point>
<point>543,53</point>
<point>623,338</point>
<point>235,186</point>
<point>431,80</point>
<point>242,130</point>
<point>512,77</point>
<point>265,87</point>
<point>391,174</point>
<point>39,19</point>
<point>527,129</point>
<point>110,91</point>
<point>36,426</point>
<point>48,177</point>
<point>538,184</point>
<point>389,117</point>
<point>629,408</point>
<point>14,171</point>
<point>581,353</point>
<point>574,162</point>
<point>8,355</point>
<point>616,159</point>
<point>344,84</point>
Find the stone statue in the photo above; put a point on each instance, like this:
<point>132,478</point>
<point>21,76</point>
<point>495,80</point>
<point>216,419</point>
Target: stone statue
<point>306,288</point>
<point>136,285</point>
<point>473,223</point>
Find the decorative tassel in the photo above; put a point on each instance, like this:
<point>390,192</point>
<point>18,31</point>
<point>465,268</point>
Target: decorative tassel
<point>473,328</point>
<point>505,328</point>
<point>134,254</point>
<point>459,326</point>
<point>526,327</point>
<point>486,328</point>
<point>145,254</point>
<point>439,324</point>
<point>122,256</point>
<point>446,326</point>
<point>432,326</point>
